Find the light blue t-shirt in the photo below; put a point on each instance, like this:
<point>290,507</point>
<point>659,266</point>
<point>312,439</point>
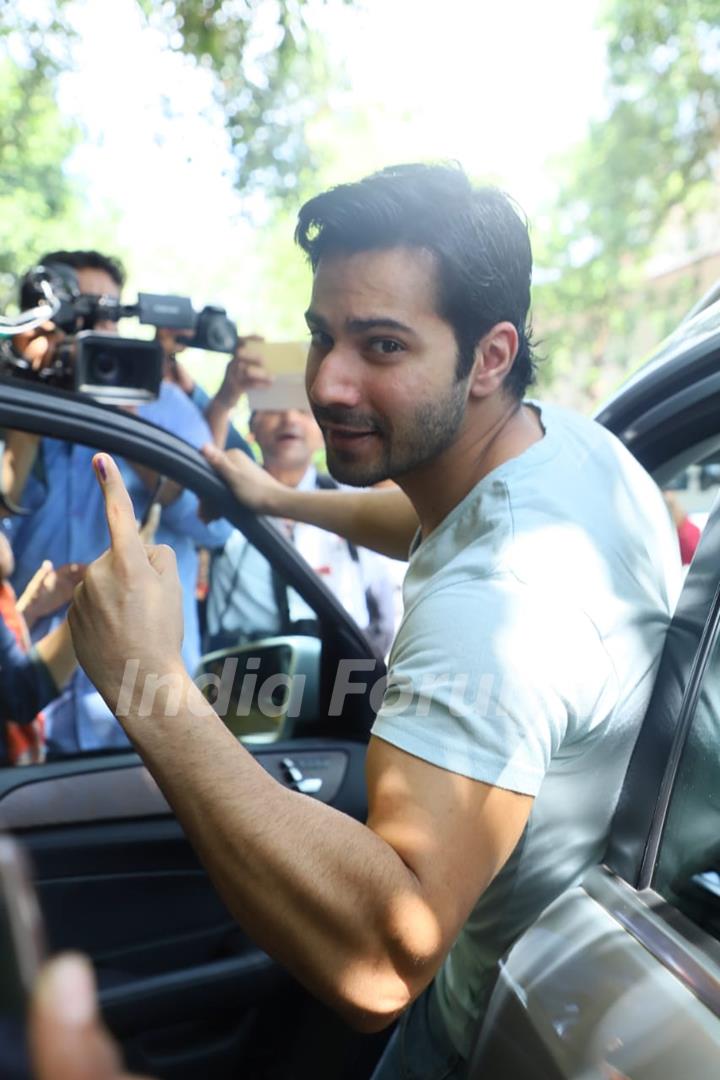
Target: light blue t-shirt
<point>534,618</point>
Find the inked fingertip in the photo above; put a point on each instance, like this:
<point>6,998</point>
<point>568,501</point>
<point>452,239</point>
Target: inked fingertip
<point>100,469</point>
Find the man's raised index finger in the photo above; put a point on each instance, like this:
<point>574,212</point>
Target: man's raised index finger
<point>119,509</point>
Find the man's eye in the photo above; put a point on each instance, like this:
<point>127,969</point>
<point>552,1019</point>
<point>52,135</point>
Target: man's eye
<point>386,346</point>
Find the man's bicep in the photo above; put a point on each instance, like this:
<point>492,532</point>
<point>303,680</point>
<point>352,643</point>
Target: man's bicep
<point>454,833</point>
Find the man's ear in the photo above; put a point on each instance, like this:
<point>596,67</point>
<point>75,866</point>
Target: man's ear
<point>494,357</point>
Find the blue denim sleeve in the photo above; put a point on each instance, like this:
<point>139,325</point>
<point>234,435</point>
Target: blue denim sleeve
<point>26,685</point>
<point>234,440</point>
<point>181,516</point>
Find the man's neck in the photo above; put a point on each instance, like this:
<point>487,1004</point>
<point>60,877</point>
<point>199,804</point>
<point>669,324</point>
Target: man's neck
<point>290,475</point>
<point>437,487</point>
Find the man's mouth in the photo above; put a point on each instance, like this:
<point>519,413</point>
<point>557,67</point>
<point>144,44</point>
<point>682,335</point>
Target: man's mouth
<point>340,435</point>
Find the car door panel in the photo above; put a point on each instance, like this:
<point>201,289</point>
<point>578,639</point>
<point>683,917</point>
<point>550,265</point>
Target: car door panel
<point>612,980</point>
<point>117,879</point>
<point>50,798</point>
<point>596,1001</point>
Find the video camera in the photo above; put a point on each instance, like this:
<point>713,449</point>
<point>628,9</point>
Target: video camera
<point>113,369</point>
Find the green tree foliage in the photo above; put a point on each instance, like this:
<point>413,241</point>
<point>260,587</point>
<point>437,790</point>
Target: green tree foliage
<point>36,198</point>
<point>648,165</point>
<point>271,77</point>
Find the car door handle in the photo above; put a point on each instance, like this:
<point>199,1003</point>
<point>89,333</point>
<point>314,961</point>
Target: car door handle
<point>307,785</point>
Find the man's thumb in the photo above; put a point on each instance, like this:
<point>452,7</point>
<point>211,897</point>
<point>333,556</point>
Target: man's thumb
<point>67,1039</point>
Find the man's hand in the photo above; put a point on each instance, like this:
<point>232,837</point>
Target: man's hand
<point>20,451</point>
<point>49,589</point>
<point>129,606</point>
<point>173,342</point>
<point>39,345</point>
<point>67,1038</point>
<point>245,371</point>
<point>249,483</point>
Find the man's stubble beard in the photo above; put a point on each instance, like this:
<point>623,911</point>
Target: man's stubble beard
<point>431,430</point>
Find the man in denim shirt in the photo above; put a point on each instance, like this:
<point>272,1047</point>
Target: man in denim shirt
<point>53,479</point>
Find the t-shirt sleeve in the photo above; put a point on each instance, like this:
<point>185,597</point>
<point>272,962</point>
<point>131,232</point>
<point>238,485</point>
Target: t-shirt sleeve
<point>489,680</point>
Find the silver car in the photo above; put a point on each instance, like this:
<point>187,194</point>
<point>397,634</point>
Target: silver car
<point>620,976</point>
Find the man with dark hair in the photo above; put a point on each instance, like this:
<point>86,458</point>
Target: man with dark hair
<point>83,261</point>
<point>538,594</point>
<point>438,210</point>
<point>95,274</point>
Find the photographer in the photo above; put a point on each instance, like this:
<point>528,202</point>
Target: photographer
<point>49,477</point>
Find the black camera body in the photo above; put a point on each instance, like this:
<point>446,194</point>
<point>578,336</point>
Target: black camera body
<point>214,331</point>
<point>113,369</point>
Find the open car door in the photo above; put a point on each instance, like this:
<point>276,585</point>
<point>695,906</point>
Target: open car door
<point>181,987</point>
<point>620,976</point>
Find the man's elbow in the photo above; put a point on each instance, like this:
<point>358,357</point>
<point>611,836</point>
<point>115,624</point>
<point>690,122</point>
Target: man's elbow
<point>369,1014</point>
<point>370,1002</point>
<point>377,985</point>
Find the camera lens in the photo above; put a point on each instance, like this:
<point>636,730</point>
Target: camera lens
<point>221,336</point>
<point>105,368</point>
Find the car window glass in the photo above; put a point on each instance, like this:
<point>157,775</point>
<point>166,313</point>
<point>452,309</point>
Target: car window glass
<point>690,495</point>
<point>688,869</point>
<point>250,641</point>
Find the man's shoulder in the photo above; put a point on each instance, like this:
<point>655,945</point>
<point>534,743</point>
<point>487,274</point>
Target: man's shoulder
<point>174,411</point>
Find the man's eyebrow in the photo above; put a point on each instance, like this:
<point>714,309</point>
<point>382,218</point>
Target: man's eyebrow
<point>378,322</point>
<point>359,326</point>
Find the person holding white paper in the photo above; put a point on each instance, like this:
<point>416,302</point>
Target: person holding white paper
<point>247,599</point>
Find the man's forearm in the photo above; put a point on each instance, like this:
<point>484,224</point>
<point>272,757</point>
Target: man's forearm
<point>382,519</point>
<point>347,917</point>
<point>217,415</point>
<point>57,653</point>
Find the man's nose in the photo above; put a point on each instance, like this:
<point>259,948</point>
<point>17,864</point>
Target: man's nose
<point>333,380</point>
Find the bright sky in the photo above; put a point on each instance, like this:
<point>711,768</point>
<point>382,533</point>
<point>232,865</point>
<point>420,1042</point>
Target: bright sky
<point>500,86</point>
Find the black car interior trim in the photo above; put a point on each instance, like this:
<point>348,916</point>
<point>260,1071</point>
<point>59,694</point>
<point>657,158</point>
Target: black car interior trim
<point>646,790</point>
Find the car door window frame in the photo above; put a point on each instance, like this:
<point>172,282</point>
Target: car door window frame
<point>61,415</point>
